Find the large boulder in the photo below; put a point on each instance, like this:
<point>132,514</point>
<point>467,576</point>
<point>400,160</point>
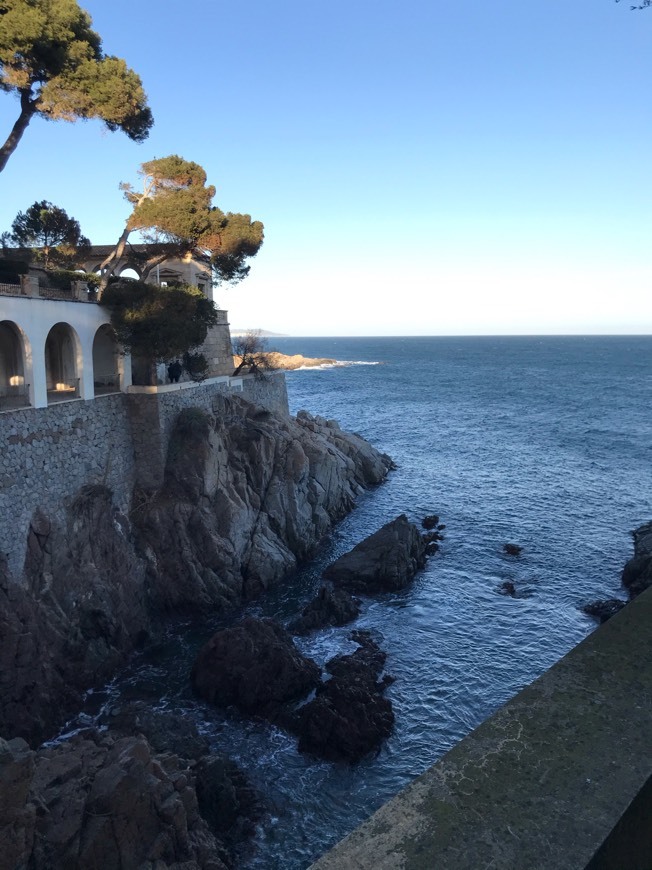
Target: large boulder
<point>329,607</point>
<point>384,562</point>
<point>255,666</point>
<point>349,717</point>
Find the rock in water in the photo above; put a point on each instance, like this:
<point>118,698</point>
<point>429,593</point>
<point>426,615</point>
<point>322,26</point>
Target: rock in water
<point>384,562</point>
<point>604,610</point>
<point>329,607</point>
<point>349,717</point>
<point>255,666</point>
<point>637,573</point>
<point>513,549</point>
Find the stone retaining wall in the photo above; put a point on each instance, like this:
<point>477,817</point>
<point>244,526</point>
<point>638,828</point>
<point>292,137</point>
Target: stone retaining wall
<point>560,778</point>
<point>269,391</point>
<point>48,454</point>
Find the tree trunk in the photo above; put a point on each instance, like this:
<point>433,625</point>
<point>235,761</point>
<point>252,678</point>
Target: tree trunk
<point>107,268</point>
<point>27,111</point>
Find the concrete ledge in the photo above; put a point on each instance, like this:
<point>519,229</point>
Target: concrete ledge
<point>560,778</point>
<point>160,389</point>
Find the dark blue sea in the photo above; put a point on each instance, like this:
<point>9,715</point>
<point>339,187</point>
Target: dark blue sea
<point>543,442</point>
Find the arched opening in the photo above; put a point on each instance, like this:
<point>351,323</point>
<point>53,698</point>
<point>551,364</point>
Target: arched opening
<point>14,389</point>
<point>106,361</point>
<point>61,363</point>
<point>130,272</point>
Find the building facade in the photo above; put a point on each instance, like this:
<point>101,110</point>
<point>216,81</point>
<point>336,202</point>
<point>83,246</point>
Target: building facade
<point>57,343</point>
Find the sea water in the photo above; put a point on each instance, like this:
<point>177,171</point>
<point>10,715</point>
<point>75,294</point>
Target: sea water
<point>542,442</point>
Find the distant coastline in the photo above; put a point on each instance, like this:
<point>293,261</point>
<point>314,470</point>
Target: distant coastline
<point>284,362</point>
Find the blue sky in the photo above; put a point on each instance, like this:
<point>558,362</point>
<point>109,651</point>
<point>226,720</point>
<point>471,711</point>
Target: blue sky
<point>422,168</point>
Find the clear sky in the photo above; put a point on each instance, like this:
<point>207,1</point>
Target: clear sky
<point>421,168</point>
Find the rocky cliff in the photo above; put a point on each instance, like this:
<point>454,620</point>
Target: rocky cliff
<point>246,496</point>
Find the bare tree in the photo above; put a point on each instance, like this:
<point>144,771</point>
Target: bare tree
<point>250,352</point>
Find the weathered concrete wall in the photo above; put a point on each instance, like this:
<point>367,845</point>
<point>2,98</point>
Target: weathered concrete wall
<point>47,454</point>
<point>560,778</point>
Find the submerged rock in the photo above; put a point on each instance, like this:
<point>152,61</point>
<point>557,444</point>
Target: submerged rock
<point>349,716</point>
<point>384,562</point>
<point>329,607</point>
<point>513,549</point>
<point>165,730</point>
<point>255,666</point>
<point>604,610</point>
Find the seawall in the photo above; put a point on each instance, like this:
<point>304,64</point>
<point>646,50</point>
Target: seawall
<point>560,778</point>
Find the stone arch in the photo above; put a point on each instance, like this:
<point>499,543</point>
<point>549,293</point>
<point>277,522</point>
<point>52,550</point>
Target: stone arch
<point>106,361</point>
<point>63,363</point>
<point>15,365</point>
<point>129,271</point>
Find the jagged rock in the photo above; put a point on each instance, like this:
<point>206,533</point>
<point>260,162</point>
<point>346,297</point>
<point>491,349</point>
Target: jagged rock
<point>384,562</point>
<point>227,800</point>
<point>81,609</point>
<point>513,549</point>
<point>604,610</point>
<point>255,666</point>
<point>246,496</point>
<point>349,717</point>
<point>329,607</point>
<point>99,802</point>
<point>507,588</point>
<point>637,573</point>
<point>430,522</point>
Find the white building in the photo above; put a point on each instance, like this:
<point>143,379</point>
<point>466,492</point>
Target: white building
<point>58,344</point>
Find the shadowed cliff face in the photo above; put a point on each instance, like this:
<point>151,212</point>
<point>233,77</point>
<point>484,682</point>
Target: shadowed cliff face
<point>80,609</point>
<point>246,496</point>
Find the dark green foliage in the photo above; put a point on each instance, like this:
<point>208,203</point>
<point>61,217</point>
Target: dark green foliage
<point>158,323</point>
<point>196,365</point>
<point>55,237</point>
<point>174,212</point>
<point>53,61</point>
<point>62,278</point>
<point>11,270</point>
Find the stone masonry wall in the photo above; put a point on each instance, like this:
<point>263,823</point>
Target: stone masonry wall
<point>270,392</point>
<point>217,348</point>
<point>152,418</point>
<point>47,454</point>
